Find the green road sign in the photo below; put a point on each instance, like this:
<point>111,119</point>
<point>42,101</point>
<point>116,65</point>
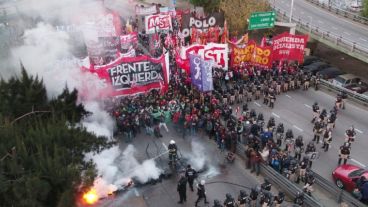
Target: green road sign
<point>261,20</point>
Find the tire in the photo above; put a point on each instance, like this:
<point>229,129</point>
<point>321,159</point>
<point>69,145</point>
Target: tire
<point>339,184</point>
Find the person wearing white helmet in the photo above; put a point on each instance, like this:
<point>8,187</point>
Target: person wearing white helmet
<point>201,193</point>
<point>172,151</point>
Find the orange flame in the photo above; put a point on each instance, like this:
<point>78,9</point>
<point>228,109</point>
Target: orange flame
<point>90,197</point>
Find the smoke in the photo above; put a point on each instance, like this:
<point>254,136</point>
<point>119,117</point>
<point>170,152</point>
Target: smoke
<point>200,159</point>
<point>116,168</point>
<point>48,53</point>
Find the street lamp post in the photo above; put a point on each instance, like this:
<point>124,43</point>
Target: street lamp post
<point>291,10</point>
<point>310,24</point>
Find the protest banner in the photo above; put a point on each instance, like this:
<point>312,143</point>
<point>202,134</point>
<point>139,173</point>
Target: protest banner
<point>286,46</point>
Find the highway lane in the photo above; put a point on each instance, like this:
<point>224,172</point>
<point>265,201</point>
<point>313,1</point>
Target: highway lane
<point>294,110</point>
<point>325,20</point>
<point>164,194</point>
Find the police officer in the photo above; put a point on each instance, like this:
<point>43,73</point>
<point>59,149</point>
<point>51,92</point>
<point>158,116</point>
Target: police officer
<point>216,203</point>
<point>279,134</point>
<point>299,147</point>
<point>350,135</point>
<point>258,92</point>
<point>266,185</point>
<point>331,121</point>
<point>201,193</point>
<point>272,98</point>
<point>279,199</point>
<point>190,174</point>
<point>310,149</point>
<point>271,124</point>
<point>289,139</point>
<point>317,130</point>
<point>303,168</point>
<point>310,180</point>
<point>344,153</point>
<point>293,167</point>
<point>265,199</point>
<point>172,152</point>
<point>327,139</point>
<point>229,201</point>
<point>299,199</point>
<point>253,197</point>
<point>315,109</point>
<point>182,189</point>
<point>243,199</point>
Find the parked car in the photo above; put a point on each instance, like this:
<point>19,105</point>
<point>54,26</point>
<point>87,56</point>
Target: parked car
<point>330,72</point>
<point>346,176</point>
<point>309,60</point>
<point>360,87</point>
<point>315,67</point>
<point>345,79</point>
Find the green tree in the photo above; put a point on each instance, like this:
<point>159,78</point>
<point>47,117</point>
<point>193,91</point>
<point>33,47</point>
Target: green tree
<point>238,11</point>
<point>208,5</point>
<point>365,8</point>
<point>42,155</point>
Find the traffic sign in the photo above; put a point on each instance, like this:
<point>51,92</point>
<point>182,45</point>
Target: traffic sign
<point>262,20</point>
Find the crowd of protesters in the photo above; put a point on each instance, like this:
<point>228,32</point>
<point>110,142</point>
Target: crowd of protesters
<point>224,116</point>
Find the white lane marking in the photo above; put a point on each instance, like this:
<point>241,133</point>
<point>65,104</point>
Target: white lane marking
<point>163,144</point>
<point>347,33</point>
<point>319,21</point>
<point>363,39</point>
<point>360,131</point>
<point>306,105</point>
<point>296,127</point>
<point>357,162</point>
<point>302,12</point>
<point>275,115</point>
<point>257,104</point>
<point>335,28</point>
<point>288,96</point>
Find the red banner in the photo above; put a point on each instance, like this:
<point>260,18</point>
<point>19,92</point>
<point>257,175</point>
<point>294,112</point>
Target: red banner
<point>289,47</point>
<point>133,75</point>
<point>128,40</point>
<point>251,54</point>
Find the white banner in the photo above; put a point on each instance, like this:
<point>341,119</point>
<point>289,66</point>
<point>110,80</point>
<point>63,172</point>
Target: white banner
<point>155,23</point>
<point>143,11</point>
<point>212,51</point>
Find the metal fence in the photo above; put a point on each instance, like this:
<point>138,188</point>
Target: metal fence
<point>335,40</point>
<point>356,97</point>
<point>282,182</point>
<point>341,12</point>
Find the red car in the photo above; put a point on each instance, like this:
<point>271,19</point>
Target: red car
<point>346,176</point>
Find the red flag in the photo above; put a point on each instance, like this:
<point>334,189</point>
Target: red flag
<point>225,34</point>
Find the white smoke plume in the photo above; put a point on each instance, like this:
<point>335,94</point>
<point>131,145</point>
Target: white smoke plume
<point>43,52</point>
<point>199,158</point>
<point>117,168</point>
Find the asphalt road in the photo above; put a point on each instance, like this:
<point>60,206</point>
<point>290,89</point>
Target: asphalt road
<point>325,20</point>
<point>164,194</point>
<point>294,110</point>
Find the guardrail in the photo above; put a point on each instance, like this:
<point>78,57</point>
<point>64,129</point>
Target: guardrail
<point>362,99</point>
<point>341,12</point>
<point>286,185</point>
<point>334,40</point>
<point>291,188</point>
<point>343,196</point>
